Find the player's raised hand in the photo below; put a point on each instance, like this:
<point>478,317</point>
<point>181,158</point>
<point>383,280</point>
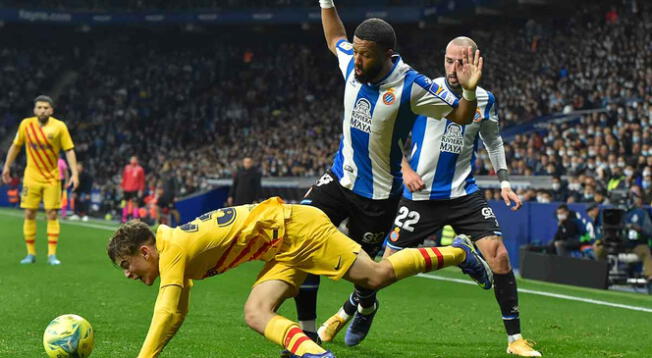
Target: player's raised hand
<point>510,196</point>
<point>6,175</point>
<point>469,70</point>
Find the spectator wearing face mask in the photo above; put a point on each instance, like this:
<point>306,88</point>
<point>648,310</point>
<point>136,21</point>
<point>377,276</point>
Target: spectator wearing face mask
<point>630,174</point>
<point>589,194</point>
<point>569,231</point>
<point>544,197</point>
<point>575,190</point>
<point>559,193</point>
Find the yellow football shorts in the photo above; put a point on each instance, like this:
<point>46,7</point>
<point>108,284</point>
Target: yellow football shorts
<point>312,244</point>
<point>33,193</point>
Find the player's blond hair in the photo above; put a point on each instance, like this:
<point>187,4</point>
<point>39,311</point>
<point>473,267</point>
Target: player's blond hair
<point>128,238</point>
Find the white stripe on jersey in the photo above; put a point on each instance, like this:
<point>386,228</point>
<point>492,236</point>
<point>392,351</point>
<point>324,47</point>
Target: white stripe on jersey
<point>434,131</point>
<point>443,152</point>
<point>377,120</point>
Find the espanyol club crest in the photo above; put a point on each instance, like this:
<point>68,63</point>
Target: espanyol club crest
<point>395,234</point>
<point>388,97</point>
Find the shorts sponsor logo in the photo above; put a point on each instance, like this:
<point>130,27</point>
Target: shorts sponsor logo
<point>453,139</point>
<point>361,116</point>
<point>325,179</point>
<point>487,213</point>
<point>372,237</point>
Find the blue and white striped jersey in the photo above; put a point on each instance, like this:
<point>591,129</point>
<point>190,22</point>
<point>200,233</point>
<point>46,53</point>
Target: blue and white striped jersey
<point>377,120</point>
<point>443,153</point>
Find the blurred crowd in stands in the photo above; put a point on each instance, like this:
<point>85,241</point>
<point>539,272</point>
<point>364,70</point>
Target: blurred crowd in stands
<point>138,5</point>
<point>199,103</point>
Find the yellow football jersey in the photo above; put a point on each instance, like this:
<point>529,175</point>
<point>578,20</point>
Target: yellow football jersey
<point>43,144</point>
<point>221,240</point>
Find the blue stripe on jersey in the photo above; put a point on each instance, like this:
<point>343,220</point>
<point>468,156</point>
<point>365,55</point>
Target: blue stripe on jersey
<point>426,83</point>
<point>490,103</point>
<point>418,135</point>
<point>338,162</point>
<point>402,126</point>
<point>470,187</point>
<point>441,185</point>
<point>349,69</point>
<point>364,181</point>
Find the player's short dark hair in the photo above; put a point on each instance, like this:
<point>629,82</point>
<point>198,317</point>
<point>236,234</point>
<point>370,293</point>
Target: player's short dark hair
<point>128,238</point>
<point>563,207</point>
<point>378,31</point>
<point>44,98</point>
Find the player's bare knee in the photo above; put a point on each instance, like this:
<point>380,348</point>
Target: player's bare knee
<point>500,263</point>
<point>30,214</point>
<point>253,311</point>
<point>52,214</point>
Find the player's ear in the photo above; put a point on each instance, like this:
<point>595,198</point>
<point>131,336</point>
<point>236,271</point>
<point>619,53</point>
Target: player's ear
<point>145,251</point>
<point>389,52</point>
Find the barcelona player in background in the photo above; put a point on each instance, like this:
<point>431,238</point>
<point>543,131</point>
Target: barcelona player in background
<point>44,137</point>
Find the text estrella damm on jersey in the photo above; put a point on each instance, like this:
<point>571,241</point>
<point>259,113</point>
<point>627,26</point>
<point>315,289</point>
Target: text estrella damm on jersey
<point>221,240</point>
<point>42,145</point>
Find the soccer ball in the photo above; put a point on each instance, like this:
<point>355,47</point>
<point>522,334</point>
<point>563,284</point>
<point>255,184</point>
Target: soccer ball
<point>68,336</point>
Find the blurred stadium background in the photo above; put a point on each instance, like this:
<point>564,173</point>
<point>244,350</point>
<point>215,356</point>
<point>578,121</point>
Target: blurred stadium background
<point>193,87</point>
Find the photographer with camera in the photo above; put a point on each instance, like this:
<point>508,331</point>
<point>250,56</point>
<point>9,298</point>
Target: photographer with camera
<point>637,233</point>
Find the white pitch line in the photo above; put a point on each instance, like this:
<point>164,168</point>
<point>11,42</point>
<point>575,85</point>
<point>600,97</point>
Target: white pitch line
<point>65,222</point>
<point>548,294</point>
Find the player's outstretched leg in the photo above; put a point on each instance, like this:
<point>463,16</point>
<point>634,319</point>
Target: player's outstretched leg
<point>409,262</point>
<point>260,315</point>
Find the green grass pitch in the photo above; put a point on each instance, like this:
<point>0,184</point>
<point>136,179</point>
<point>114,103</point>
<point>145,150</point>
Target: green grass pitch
<point>419,317</point>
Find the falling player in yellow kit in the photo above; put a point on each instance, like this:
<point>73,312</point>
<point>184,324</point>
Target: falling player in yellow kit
<point>43,136</point>
<point>293,240</point>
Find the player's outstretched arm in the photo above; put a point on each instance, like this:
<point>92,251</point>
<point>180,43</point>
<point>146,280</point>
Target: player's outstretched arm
<point>11,156</point>
<point>469,72</point>
<point>169,312</point>
<point>333,27</point>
